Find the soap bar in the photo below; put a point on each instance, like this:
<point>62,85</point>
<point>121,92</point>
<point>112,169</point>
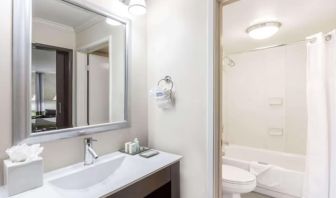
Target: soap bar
<point>127,145</point>
<point>148,154</point>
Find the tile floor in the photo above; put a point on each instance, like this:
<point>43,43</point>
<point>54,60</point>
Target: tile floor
<point>254,195</point>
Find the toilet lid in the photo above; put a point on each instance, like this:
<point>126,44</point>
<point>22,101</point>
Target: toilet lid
<point>236,175</point>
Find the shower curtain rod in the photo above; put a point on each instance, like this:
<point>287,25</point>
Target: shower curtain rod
<point>264,48</point>
<point>327,37</point>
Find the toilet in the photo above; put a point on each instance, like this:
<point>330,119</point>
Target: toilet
<point>236,181</point>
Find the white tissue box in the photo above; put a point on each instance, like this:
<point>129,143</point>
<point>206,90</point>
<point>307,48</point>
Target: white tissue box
<point>23,176</point>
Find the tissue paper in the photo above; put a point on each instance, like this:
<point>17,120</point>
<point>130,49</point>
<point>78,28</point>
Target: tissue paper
<point>23,152</point>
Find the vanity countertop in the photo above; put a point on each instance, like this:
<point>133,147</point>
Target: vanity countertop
<point>130,170</point>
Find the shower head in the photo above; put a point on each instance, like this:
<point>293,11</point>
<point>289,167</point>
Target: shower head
<point>228,61</point>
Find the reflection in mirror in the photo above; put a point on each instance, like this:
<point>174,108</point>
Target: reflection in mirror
<point>78,67</point>
<point>51,85</point>
<point>43,90</point>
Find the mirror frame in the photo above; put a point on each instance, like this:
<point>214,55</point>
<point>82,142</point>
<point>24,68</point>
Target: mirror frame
<point>21,78</point>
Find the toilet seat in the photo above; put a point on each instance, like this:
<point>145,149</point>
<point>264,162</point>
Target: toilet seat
<point>236,175</point>
<point>236,180</point>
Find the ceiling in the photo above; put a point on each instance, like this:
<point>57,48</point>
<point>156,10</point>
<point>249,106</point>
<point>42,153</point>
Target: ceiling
<point>65,14</point>
<point>299,18</point>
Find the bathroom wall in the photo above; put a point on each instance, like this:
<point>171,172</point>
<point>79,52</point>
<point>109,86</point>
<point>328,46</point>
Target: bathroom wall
<point>65,152</point>
<point>46,33</point>
<point>177,46</point>
<point>253,91</point>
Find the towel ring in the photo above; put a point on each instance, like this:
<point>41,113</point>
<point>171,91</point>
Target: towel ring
<point>168,80</point>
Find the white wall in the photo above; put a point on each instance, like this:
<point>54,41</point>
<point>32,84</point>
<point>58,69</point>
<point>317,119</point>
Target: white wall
<point>47,33</point>
<point>65,152</point>
<point>177,46</point>
<point>258,77</point>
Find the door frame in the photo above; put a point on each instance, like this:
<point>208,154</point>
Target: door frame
<point>68,95</point>
<point>215,58</point>
<point>213,135</point>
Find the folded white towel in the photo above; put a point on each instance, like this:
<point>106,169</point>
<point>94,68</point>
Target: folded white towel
<point>257,168</point>
<point>164,103</point>
<point>163,97</point>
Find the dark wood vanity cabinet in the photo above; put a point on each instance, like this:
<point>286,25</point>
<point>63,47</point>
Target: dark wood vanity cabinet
<point>162,184</point>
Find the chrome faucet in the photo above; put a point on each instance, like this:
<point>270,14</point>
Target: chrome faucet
<point>89,154</point>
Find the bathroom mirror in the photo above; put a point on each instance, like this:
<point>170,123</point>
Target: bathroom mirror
<point>69,70</point>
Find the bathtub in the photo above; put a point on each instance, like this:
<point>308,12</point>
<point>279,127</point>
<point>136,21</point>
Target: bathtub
<point>289,166</point>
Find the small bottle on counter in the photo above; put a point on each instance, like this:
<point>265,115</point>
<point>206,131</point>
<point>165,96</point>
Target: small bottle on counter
<point>132,148</point>
<point>137,144</point>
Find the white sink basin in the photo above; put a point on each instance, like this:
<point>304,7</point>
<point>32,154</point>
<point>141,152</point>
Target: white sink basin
<point>89,175</point>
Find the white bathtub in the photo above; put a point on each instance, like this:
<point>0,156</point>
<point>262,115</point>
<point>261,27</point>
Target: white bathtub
<point>290,166</point>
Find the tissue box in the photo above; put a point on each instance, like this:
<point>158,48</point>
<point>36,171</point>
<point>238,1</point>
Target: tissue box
<point>23,176</point>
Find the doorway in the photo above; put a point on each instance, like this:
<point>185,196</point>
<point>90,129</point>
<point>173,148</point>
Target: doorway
<point>51,88</point>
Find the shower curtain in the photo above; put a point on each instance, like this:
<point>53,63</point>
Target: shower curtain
<point>321,108</point>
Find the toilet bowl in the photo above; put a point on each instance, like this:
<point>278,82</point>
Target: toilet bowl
<point>236,181</point>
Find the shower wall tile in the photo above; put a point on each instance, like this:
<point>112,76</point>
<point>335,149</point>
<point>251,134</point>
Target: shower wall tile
<point>247,87</point>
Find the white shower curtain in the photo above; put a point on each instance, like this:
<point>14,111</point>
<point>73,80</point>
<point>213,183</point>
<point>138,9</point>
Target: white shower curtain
<point>321,104</point>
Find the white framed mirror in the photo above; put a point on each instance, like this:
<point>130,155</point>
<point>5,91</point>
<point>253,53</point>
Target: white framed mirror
<point>69,70</point>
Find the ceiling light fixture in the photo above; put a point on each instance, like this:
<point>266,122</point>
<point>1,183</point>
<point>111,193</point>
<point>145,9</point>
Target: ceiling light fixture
<point>137,7</point>
<point>263,30</point>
